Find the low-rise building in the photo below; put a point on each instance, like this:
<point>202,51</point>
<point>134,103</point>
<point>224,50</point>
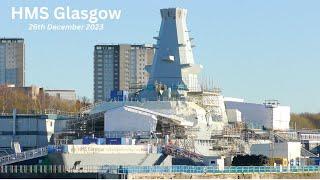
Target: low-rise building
<point>69,95</point>
<point>290,151</point>
<point>31,91</point>
<point>268,115</point>
<point>31,131</point>
<point>310,141</point>
<point>217,161</point>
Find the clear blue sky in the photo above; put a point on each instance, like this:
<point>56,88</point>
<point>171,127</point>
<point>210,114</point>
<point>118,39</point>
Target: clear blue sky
<point>255,50</point>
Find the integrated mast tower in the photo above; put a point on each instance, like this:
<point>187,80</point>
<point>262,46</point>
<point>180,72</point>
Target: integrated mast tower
<point>173,64</point>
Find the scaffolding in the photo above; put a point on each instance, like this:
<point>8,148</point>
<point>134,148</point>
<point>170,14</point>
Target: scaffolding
<point>87,124</point>
<point>209,100</point>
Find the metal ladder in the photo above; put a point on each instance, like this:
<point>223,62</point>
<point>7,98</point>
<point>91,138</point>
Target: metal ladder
<point>23,156</point>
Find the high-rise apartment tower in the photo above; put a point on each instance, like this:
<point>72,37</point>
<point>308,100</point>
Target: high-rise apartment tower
<point>120,67</point>
<point>12,61</point>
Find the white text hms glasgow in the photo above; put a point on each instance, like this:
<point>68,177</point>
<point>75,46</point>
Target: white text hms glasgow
<point>64,13</point>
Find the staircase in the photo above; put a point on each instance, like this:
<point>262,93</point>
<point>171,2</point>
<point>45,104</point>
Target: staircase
<point>161,159</point>
<point>6,151</point>
<point>306,153</point>
<point>176,151</point>
<point>282,138</point>
<point>23,156</point>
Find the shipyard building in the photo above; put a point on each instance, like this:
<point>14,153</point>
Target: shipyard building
<point>269,115</point>
<point>31,131</point>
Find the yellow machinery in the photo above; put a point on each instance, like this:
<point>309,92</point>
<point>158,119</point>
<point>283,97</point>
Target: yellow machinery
<point>278,161</point>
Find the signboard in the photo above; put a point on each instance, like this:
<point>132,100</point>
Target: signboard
<point>107,149</point>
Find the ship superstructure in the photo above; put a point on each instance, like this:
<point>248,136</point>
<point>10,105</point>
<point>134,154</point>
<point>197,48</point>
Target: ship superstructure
<point>173,96</point>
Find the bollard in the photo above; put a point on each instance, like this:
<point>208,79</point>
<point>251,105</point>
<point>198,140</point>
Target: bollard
<point>15,169</point>
<point>40,169</point>
<point>25,169</point>
<point>35,168</point>
<point>45,168</point>
<point>5,169</point>
<point>59,168</point>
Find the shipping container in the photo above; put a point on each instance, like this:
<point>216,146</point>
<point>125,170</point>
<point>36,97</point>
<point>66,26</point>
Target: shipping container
<point>86,140</point>
<point>77,141</point>
<point>119,95</point>
<point>89,140</point>
<point>125,141</point>
<point>64,148</point>
<point>101,141</point>
<point>55,149</point>
<point>278,161</point>
<point>113,140</point>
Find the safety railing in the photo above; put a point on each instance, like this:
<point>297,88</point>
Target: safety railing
<point>48,169</point>
<point>212,169</point>
<point>156,169</point>
<point>26,155</point>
